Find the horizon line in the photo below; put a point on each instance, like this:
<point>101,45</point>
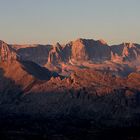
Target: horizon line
<point>66,42</point>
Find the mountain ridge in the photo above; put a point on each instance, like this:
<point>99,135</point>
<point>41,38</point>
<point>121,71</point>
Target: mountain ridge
<point>85,83</point>
<point>80,43</point>
<point>80,53</point>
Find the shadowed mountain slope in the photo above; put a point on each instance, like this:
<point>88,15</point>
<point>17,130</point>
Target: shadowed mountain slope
<point>23,73</point>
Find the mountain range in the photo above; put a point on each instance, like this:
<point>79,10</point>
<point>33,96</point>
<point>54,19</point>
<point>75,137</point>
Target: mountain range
<point>84,79</point>
<point>83,53</point>
<point>80,50</point>
<point>28,63</point>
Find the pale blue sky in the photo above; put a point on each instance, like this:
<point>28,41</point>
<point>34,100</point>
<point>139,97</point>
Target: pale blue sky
<point>49,21</point>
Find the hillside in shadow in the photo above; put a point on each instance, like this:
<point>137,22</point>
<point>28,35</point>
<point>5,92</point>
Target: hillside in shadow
<point>9,91</point>
<point>75,110</point>
<point>73,115</point>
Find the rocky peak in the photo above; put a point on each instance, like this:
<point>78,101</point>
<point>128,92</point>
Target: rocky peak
<point>79,50</point>
<point>80,40</point>
<point>55,55</point>
<point>102,41</point>
<point>7,53</point>
<point>89,49</point>
<point>125,52</point>
<point>129,45</point>
<point>130,51</point>
<point>57,47</point>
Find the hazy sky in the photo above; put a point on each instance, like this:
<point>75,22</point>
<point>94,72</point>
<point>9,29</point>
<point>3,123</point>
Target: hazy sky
<point>48,21</point>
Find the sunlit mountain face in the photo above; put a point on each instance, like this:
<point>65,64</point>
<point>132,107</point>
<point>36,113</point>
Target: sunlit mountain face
<point>84,89</point>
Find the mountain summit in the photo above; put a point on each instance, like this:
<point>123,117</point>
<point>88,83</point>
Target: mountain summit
<point>7,53</point>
